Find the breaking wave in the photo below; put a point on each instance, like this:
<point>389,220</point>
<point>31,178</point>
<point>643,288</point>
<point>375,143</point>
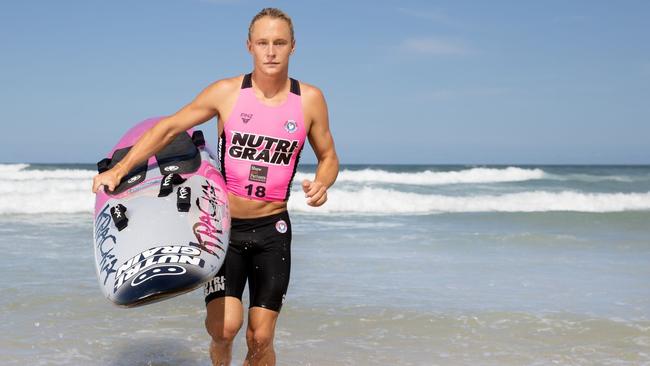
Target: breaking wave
<point>429,177</point>
<point>386,201</point>
<point>26,190</point>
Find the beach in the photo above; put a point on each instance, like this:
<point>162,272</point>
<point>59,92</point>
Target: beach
<point>405,265</point>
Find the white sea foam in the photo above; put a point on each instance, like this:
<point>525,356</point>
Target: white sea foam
<point>387,201</point>
<point>594,178</point>
<point>48,202</point>
<point>429,177</point>
<point>31,191</point>
<point>15,174</point>
<point>44,191</point>
<point>9,168</point>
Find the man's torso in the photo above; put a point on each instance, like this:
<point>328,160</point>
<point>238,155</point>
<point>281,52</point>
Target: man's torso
<point>241,206</point>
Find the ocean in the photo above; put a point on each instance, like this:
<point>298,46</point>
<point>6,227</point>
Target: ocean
<point>404,265</point>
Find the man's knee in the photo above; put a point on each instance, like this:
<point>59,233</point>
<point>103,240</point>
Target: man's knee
<point>224,319</point>
<point>222,331</point>
<point>260,339</point>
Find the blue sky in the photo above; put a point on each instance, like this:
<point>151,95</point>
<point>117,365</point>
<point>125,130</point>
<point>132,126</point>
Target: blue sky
<point>507,82</point>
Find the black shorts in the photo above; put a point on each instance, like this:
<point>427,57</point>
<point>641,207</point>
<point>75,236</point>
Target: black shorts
<point>259,251</point>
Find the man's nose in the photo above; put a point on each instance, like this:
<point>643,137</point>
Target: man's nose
<point>270,51</point>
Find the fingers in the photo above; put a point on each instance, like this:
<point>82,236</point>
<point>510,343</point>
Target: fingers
<point>96,184</point>
<point>104,179</point>
<point>305,185</point>
<point>318,199</point>
<point>317,194</point>
<point>313,189</point>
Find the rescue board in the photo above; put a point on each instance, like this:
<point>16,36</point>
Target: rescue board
<point>164,229</point>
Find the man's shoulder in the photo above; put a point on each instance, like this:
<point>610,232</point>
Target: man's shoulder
<point>227,85</point>
<point>309,91</point>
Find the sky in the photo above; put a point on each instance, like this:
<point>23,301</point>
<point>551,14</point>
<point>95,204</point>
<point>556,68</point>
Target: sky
<point>406,82</point>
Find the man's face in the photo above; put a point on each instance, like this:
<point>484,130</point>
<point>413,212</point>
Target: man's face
<point>270,44</point>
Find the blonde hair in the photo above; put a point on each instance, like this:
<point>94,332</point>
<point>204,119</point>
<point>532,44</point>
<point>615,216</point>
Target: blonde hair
<point>274,13</point>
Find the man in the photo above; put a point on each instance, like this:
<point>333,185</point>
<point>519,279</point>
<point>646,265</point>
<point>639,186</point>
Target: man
<point>263,120</point>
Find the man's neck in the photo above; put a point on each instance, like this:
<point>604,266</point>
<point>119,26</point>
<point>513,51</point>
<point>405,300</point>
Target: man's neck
<point>270,85</point>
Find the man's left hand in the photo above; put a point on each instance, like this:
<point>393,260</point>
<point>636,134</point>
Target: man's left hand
<point>316,192</point>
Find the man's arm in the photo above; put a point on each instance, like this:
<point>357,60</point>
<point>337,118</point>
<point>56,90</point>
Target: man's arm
<point>201,109</point>
<point>322,142</point>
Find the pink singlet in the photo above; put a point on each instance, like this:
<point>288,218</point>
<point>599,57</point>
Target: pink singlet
<point>260,146</point>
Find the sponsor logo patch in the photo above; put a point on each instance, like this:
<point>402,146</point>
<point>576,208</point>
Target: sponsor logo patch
<point>258,173</point>
<point>261,148</point>
<point>291,126</point>
<point>218,283</point>
<point>281,226</point>
<point>245,117</point>
<point>171,168</point>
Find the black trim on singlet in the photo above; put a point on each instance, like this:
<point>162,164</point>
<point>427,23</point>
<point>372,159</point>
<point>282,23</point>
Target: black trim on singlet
<point>222,156</point>
<point>247,82</point>
<point>295,86</point>
<point>295,169</point>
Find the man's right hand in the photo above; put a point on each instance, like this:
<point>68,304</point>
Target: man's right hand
<point>109,179</point>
